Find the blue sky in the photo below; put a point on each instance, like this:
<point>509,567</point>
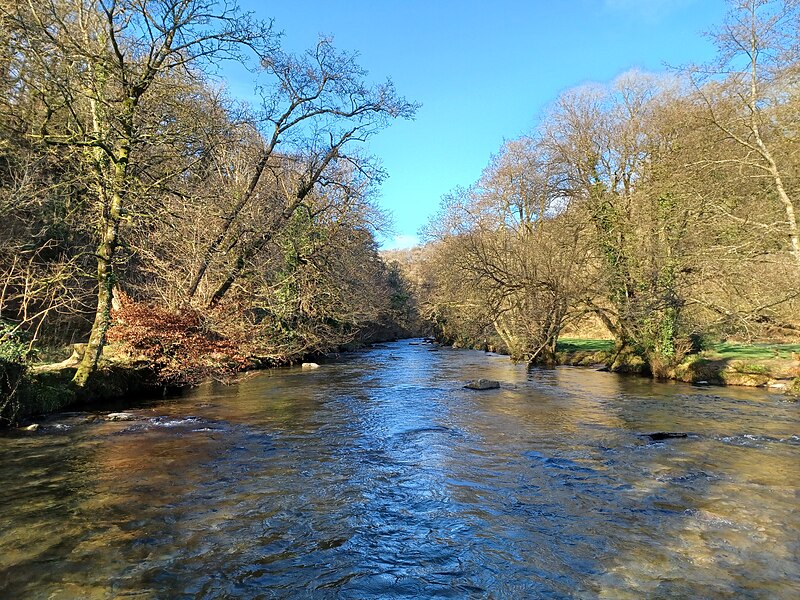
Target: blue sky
<point>484,72</point>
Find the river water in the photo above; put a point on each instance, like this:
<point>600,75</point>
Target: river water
<point>378,476</point>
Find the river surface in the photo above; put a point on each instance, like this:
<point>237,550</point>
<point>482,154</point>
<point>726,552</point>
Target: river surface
<point>378,476</point>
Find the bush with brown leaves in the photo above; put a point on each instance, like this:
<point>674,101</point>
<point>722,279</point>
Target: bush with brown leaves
<point>180,350</point>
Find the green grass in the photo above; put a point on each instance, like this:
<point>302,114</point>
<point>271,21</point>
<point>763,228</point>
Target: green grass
<point>718,351</point>
<point>581,345</point>
<point>731,351</point>
<point>727,351</point>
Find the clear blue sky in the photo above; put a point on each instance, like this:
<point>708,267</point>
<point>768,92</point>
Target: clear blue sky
<point>484,71</point>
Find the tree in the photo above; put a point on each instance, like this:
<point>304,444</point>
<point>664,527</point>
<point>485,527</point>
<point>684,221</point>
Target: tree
<point>314,108</point>
<point>517,253</point>
<point>750,98</point>
<point>609,142</point>
<point>92,64</point>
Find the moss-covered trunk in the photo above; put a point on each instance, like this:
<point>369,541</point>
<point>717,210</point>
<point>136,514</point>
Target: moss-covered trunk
<point>111,219</point>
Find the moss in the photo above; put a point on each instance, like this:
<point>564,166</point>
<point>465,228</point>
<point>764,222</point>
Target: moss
<point>47,391</point>
<point>37,393</point>
<point>628,361</point>
<point>755,365</point>
<point>747,379</point>
<point>46,394</point>
<point>696,368</point>
<point>745,367</point>
<point>581,358</point>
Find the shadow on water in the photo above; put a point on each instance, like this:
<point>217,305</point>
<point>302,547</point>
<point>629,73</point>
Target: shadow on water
<point>380,476</point>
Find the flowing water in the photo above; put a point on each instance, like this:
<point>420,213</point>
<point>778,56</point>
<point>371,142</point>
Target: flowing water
<point>378,476</point>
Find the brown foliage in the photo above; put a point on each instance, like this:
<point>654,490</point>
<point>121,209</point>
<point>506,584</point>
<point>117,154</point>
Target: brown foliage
<point>175,342</point>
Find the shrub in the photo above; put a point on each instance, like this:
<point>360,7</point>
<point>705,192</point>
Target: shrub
<point>175,344</point>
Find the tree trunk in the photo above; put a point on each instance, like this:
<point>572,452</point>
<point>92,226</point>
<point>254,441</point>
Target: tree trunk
<point>105,275</point>
<point>102,318</point>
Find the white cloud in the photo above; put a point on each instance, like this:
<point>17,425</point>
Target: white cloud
<point>400,242</point>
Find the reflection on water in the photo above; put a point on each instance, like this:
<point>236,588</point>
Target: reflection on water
<point>379,476</point>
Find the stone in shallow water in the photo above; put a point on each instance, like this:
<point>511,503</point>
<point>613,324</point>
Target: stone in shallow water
<point>483,384</point>
<point>664,435</point>
<point>120,416</point>
<point>310,366</point>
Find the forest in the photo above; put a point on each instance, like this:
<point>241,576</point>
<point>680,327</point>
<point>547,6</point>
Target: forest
<point>150,216</point>
<point>659,209</point>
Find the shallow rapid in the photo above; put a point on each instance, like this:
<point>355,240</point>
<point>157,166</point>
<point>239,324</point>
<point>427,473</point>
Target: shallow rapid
<point>379,476</point>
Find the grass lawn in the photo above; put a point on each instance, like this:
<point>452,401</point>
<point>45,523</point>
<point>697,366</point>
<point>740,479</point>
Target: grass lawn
<point>731,351</point>
<point>581,345</point>
<point>719,351</point>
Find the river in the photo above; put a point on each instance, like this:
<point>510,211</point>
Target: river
<point>379,476</point>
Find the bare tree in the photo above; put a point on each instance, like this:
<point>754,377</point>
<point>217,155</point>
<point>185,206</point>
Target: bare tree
<point>750,97</point>
<point>92,63</point>
<point>518,253</point>
<point>314,107</point>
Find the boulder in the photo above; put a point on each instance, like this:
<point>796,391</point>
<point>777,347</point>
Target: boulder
<point>120,416</point>
<point>483,384</point>
<point>310,365</point>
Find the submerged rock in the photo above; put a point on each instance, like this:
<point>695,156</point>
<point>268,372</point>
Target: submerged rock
<point>482,384</point>
<point>663,435</point>
<point>309,365</point>
<point>120,416</point>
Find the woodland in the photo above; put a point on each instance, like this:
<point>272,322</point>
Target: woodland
<point>660,210</point>
<point>147,216</point>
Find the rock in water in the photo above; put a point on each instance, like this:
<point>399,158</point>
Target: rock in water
<point>664,435</point>
<point>120,416</point>
<point>310,366</point>
<point>483,384</point>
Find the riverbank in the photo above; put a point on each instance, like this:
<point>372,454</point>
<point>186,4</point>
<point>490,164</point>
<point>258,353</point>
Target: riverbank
<point>35,390</point>
<point>48,388</point>
<point>773,366</point>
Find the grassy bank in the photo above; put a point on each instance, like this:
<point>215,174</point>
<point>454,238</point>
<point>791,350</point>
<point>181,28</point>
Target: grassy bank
<point>772,365</point>
<point>776,366</point>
